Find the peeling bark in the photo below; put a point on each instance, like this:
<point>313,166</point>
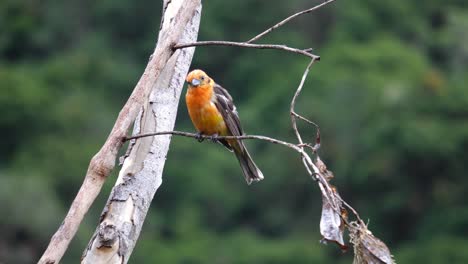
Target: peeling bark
<point>176,18</point>
<point>141,173</point>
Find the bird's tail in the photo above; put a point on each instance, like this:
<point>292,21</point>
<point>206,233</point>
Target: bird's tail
<point>249,168</point>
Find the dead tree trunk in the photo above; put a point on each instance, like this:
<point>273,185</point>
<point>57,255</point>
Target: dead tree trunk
<point>141,173</point>
<point>163,80</point>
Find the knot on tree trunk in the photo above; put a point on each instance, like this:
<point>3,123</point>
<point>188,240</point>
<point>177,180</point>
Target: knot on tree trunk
<point>107,235</point>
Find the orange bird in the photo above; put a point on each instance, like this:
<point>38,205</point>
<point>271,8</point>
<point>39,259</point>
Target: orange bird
<point>213,113</point>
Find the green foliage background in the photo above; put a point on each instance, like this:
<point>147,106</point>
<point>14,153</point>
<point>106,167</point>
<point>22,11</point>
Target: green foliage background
<point>390,95</point>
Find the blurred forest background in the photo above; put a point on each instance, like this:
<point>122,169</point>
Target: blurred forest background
<point>390,95</point>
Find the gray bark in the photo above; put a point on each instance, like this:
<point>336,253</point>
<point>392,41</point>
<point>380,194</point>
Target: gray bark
<point>141,172</point>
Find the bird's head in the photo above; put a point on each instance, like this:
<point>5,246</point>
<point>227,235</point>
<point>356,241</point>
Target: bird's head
<point>198,78</point>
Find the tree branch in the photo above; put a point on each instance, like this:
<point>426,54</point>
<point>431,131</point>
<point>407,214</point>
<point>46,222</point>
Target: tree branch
<point>286,20</point>
<point>293,102</point>
<point>197,136</point>
<point>334,219</point>
<point>249,45</point>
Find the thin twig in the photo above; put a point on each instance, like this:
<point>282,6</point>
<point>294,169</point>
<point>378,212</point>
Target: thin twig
<point>286,20</point>
<point>296,147</point>
<point>308,163</point>
<point>352,210</point>
<point>293,102</point>
<point>311,168</point>
<point>193,135</point>
<point>294,114</point>
<point>315,147</point>
<point>305,119</point>
<point>306,160</point>
<point>248,45</point>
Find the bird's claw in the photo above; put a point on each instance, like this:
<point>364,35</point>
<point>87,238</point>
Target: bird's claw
<point>200,137</point>
<point>214,138</point>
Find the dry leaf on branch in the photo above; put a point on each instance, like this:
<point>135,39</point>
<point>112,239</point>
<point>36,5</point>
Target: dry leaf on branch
<point>367,248</point>
<point>332,225</point>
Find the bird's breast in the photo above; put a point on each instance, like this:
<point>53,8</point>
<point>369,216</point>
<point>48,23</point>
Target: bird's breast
<point>204,114</point>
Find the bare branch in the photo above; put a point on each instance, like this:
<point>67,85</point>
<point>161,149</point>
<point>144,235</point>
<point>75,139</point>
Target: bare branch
<point>248,45</point>
<point>293,102</point>
<point>353,211</point>
<point>329,193</point>
<point>197,136</point>
<point>306,160</point>
<point>286,20</point>
<point>305,119</point>
<point>315,147</point>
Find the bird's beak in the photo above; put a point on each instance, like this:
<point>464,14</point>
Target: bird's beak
<point>195,82</point>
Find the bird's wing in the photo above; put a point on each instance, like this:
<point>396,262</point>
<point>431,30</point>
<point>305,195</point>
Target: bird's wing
<point>223,101</point>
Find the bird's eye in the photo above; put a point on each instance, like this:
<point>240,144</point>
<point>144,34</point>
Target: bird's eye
<point>202,78</point>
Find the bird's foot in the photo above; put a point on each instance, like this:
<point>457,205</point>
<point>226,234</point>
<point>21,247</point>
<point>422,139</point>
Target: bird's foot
<point>214,138</point>
<point>200,137</point>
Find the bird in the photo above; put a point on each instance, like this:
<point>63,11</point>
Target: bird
<point>213,113</point>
